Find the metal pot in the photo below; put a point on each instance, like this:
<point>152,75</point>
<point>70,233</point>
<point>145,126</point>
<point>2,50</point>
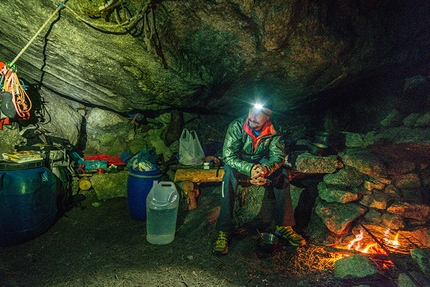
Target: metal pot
<point>268,242</point>
<point>322,138</point>
<point>317,149</point>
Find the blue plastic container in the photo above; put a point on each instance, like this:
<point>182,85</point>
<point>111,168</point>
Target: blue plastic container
<point>139,183</point>
<point>28,204</point>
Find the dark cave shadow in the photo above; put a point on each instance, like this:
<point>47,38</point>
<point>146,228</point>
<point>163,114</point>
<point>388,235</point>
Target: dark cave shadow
<point>203,209</point>
<point>303,211</point>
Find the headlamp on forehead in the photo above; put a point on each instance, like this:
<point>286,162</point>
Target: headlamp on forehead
<point>258,106</point>
<point>262,108</point>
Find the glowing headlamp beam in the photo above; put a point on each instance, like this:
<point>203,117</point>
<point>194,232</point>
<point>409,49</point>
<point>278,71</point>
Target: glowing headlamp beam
<point>258,106</point>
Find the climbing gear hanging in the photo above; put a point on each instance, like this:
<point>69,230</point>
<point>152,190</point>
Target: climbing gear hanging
<point>14,101</point>
<point>13,93</point>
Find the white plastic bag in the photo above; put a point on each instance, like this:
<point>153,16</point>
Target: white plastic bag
<point>190,150</point>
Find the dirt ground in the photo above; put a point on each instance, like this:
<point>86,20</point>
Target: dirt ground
<point>103,246</point>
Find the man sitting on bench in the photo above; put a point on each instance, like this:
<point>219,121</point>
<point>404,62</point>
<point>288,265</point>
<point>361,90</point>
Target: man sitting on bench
<point>253,151</point>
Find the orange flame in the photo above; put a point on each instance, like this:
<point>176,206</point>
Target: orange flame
<point>371,248</point>
<point>392,242</point>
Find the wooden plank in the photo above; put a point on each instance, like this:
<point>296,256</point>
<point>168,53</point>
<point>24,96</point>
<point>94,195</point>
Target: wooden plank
<point>198,175</point>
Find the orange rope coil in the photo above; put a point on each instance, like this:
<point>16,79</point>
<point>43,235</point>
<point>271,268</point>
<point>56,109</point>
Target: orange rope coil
<point>20,99</point>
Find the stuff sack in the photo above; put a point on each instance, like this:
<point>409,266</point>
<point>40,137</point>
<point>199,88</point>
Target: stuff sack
<point>7,107</point>
<point>190,149</point>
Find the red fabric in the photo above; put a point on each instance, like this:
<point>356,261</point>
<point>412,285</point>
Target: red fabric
<point>5,121</point>
<point>110,159</point>
<point>266,130</point>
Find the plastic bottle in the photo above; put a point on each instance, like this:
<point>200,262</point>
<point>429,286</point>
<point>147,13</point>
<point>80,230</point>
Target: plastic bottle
<point>162,211</point>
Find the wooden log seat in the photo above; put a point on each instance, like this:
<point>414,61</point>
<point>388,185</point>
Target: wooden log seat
<point>188,180</point>
<point>198,175</point>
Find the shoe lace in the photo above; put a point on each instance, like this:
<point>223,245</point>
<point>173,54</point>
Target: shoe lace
<point>288,232</point>
<point>222,238</point>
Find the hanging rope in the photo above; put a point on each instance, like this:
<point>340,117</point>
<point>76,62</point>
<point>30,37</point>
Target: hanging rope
<point>120,27</point>
<point>10,82</point>
<point>59,7</point>
<point>144,15</point>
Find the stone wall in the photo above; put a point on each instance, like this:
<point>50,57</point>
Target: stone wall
<point>381,180</point>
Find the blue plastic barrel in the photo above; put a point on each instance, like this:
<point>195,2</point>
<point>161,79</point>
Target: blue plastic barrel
<point>139,184</point>
<point>28,204</point>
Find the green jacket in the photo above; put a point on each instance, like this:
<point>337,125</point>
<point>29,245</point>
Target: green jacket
<point>242,153</point>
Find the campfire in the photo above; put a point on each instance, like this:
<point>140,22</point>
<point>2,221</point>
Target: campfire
<point>386,250</point>
<point>386,241</point>
<point>372,248</point>
<point>376,244</point>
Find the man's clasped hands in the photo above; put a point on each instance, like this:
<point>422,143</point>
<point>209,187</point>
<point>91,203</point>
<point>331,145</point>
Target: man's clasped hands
<point>258,173</point>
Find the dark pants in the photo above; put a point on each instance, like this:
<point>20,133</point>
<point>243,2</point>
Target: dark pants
<point>284,214</point>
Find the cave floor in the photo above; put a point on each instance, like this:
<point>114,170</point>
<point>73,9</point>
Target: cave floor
<point>103,246</point>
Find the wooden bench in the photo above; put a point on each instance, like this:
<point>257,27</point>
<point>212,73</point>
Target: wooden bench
<point>189,178</point>
<point>199,175</point>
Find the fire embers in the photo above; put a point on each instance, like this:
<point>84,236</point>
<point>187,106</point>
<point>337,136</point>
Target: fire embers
<point>370,248</point>
<point>364,243</point>
<point>381,240</point>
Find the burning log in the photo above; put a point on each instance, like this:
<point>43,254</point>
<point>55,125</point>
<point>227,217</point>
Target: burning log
<point>373,256</point>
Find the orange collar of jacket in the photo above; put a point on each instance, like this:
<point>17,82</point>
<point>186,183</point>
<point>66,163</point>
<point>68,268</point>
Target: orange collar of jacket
<point>266,130</point>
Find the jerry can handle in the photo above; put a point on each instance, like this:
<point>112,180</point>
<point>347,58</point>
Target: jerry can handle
<point>166,183</point>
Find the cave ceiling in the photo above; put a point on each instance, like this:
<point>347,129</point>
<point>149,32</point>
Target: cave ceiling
<point>209,55</point>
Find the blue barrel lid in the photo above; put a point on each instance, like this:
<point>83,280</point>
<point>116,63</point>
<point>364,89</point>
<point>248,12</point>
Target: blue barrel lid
<point>154,171</point>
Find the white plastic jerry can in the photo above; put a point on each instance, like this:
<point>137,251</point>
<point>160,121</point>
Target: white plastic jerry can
<point>162,211</point>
